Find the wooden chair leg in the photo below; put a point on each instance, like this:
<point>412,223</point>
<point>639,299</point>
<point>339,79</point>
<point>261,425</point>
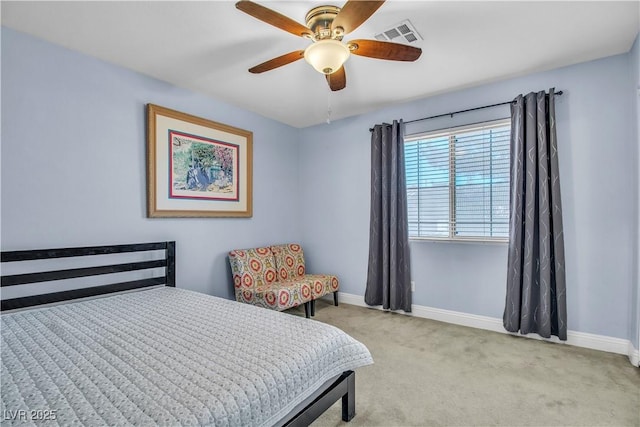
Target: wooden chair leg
<point>306,310</point>
<point>313,307</point>
<point>335,298</point>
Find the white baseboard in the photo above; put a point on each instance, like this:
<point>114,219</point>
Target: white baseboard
<point>578,339</point>
<point>634,355</point>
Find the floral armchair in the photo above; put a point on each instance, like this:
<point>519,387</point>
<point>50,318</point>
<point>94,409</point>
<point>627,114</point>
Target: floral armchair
<point>291,268</point>
<point>275,277</point>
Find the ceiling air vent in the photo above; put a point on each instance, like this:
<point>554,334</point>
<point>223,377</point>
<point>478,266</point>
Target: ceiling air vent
<point>404,32</point>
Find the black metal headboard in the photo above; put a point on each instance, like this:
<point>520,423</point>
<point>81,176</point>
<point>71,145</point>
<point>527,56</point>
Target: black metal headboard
<point>169,278</point>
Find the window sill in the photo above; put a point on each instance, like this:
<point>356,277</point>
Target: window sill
<point>459,240</point>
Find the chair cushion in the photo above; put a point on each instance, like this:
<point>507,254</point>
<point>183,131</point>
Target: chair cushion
<point>277,295</point>
<point>322,284</point>
<point>289,261</point>
<point>252,267</point>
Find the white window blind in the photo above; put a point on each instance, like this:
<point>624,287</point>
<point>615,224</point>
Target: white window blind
<point>458,182</point>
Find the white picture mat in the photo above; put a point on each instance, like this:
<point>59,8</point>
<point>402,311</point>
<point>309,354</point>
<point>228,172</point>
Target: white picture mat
<point>163,201</point>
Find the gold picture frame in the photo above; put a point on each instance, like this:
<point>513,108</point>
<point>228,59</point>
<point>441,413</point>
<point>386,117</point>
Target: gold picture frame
<point>197,167</point>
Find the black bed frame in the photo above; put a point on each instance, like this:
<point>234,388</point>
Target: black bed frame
<point>342,386</point>
<point>168,279</point>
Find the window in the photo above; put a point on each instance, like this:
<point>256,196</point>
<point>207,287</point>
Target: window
<point>458,182</point>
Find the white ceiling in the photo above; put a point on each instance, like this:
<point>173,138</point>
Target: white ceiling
<point>207,47</point>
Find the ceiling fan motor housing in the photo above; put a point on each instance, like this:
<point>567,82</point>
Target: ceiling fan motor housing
<point>319,20</point>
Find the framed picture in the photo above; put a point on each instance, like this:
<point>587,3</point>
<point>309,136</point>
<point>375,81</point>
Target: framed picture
<point>197,167</point>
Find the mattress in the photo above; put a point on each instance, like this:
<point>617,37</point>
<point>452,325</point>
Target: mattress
<point>165,356</point>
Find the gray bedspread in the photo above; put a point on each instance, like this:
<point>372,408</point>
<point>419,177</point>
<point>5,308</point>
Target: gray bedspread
<point>165,356</point>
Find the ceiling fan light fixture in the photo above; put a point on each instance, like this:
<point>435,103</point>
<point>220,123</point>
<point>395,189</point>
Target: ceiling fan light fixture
<point>327,56</point>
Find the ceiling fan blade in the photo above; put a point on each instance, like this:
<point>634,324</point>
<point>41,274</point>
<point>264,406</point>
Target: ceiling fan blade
<point>384,50</point>
<point>272,17</point>
<point>337,80</point>
<point>354,13</point>
<point>285,59</point>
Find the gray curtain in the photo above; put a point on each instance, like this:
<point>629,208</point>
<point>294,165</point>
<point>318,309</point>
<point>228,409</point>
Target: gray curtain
<point>389,275</point>
<point>536,291</point>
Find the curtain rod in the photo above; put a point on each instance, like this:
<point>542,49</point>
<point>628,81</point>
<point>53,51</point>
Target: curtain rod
<point>463,111</point>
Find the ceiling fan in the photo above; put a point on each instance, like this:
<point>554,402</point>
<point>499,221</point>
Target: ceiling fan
<point>326,26</point>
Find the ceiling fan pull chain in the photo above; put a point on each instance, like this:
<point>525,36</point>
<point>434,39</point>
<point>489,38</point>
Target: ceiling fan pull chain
<point>329,107</point>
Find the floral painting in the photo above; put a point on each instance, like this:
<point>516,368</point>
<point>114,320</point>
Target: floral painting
<point>203,168</point>
<point>197,167</point>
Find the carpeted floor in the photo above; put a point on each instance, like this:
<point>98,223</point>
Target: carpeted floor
<point>428,373</point>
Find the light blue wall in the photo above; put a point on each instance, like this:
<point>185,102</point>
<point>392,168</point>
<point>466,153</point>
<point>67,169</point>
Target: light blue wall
<point>599,195</point>
<point>634,61</point>
<point>73,163</point>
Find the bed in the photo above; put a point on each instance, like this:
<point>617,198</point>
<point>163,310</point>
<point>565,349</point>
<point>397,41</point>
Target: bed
<point>143,352</point>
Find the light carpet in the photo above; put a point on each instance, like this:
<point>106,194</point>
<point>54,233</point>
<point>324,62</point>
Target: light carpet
<point>429,373</point>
